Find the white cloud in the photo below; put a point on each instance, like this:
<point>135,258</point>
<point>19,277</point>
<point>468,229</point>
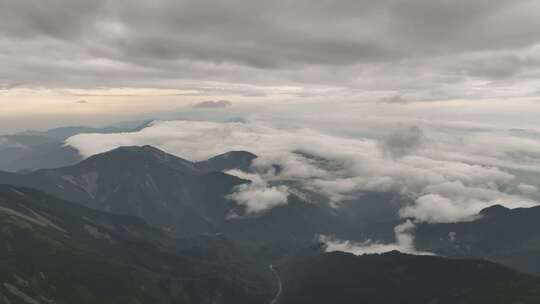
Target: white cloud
<point>257,196</point>
<point>436,208</point>
<point>440,209</point>
<point>404,243</point>
<point>257,199</point>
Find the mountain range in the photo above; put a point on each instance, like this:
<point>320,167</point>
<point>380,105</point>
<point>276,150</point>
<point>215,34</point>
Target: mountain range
<point>507,236</point>
<point>32,150</point>
<point>55,251</point>
<point>393,277</point>
<point>189,198</point>
<point>168,225</point>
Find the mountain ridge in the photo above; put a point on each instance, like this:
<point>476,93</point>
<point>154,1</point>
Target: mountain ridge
<point>58,251</point>
<point>165,190</point>
<point>393,277</point>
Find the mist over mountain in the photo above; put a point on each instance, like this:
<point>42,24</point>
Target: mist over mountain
<point>187,198</point>
<point>507,236</point>
<point>272,152</point>
<point>190,198</point>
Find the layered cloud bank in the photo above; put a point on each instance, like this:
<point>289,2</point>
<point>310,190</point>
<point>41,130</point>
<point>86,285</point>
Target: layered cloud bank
<point>448,178</point>
<point>448,170</point>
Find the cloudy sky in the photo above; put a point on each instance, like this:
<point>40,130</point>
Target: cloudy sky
<point>91,62</point>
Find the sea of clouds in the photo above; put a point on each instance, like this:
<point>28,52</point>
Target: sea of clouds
<point>452,169</point>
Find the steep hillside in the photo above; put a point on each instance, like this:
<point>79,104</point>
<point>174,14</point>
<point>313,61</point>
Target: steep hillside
<point>55,251</point>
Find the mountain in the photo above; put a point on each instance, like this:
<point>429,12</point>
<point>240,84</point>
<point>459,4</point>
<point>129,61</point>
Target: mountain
<point>23,140</point>
<point>303,220</point>
<point>19,152</point>
<point>240,160</point>
<point>189,198</point>
<point>510,237</point>
<point>54,251</point>
<point>343,278</point>
<point>166,191</point>
<point>47,155</point>
<point>32,150</point>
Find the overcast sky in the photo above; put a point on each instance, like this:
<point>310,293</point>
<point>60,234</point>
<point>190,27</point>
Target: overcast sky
<point>90,60</point>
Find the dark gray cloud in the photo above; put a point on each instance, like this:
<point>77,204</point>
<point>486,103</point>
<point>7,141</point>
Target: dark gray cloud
<point>213,104</point>
<point>416,45</point>
<point>402,141</point>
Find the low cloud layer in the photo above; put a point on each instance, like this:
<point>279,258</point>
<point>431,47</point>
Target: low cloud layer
<point>447,182</point>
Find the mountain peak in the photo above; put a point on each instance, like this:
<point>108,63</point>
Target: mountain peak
<point>494,210</point>
<point>141,149</point>
<point>146,150</point>
<point>137,156</point>
<point>236,155</point>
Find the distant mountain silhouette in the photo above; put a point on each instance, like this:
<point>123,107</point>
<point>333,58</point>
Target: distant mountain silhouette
<point>343,278</point>
<point>32,150</point>
<point>510,237</point>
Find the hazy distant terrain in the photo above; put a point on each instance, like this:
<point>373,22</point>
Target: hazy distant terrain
<point>31,150</point>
